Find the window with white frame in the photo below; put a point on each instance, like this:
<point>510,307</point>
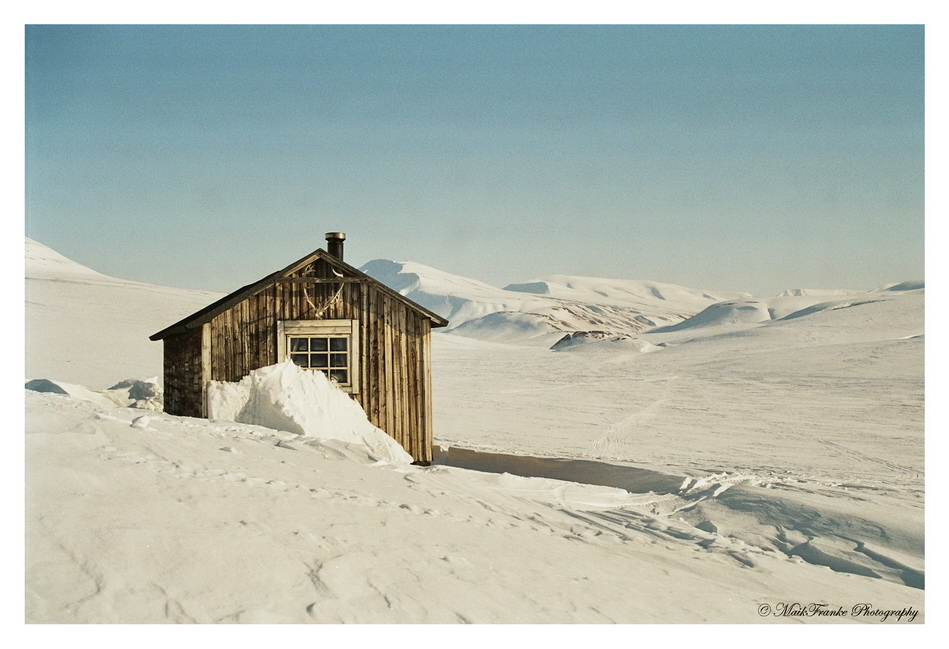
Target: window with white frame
<point>328,346</point>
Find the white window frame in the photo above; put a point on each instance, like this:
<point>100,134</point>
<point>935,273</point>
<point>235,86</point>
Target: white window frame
<point>317,328</point>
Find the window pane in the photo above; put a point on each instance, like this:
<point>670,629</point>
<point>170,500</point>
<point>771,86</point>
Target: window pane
<point>317,344</point>
<point>319,361</point>
<point>341,376</point>
<point>337,360</point>
<point>338,344</point>
<point>298,344</point>
<point>299,359</point>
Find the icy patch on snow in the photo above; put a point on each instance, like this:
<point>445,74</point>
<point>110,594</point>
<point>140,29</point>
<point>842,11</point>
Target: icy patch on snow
<point>285,397</point>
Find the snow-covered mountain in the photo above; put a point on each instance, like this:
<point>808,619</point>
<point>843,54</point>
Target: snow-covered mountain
<point>626,292</point>
<point>543,310</point>
<point>460,299</point>
<point>594,312</point>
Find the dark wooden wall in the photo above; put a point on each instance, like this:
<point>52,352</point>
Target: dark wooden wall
<point>394,348</point>
<point>184,383</point>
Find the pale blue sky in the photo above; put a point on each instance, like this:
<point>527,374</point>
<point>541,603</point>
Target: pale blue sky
<point>730,157</point>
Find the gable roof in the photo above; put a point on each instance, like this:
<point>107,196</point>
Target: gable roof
<point>204,315</point>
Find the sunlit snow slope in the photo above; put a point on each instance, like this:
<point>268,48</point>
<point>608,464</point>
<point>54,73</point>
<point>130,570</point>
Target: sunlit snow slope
<point>88,328</point>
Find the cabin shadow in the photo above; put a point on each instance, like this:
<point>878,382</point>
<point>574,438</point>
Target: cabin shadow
<point>593,472</point>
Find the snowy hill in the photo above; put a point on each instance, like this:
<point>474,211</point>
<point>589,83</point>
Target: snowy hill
<point>88,328</point>
<point>43,262</point>
<point>542,310</point>
<point>788,305</point>
<point>457,298</point>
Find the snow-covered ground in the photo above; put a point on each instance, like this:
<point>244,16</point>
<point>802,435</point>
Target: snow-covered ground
<point>747,465</point>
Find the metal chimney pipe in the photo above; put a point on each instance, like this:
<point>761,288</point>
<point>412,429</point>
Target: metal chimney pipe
<point>334,244</point>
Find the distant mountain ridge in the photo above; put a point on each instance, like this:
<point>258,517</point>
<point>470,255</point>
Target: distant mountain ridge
<point>620,291</point>
<point>545,308</point>
<point>788,305</point>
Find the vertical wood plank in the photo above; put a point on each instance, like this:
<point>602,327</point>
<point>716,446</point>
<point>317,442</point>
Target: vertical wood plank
<point>412,377</point>
<point>217,349</point>
<point>229,344</point>
<point>240,337</point>
<point>205,372</point>
<point>403,377</point>
<point>393,353</point>
<point>270,328</point>
<point>427,437</point>
<point>387,366</point>
<point>254,349</point>
<point>368,367</point>
<point>364,318</point>
<point>408,409</point>
<point>379,360</point>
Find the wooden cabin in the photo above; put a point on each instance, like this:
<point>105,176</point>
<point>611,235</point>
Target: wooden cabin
<point>327,316</point>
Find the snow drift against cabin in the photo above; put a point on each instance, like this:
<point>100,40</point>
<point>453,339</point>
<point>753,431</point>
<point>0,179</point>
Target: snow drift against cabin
<point>285,397</point>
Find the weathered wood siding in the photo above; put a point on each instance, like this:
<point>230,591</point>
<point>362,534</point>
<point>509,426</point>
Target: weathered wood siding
<point>394,346</point>
<point>184,380</point>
